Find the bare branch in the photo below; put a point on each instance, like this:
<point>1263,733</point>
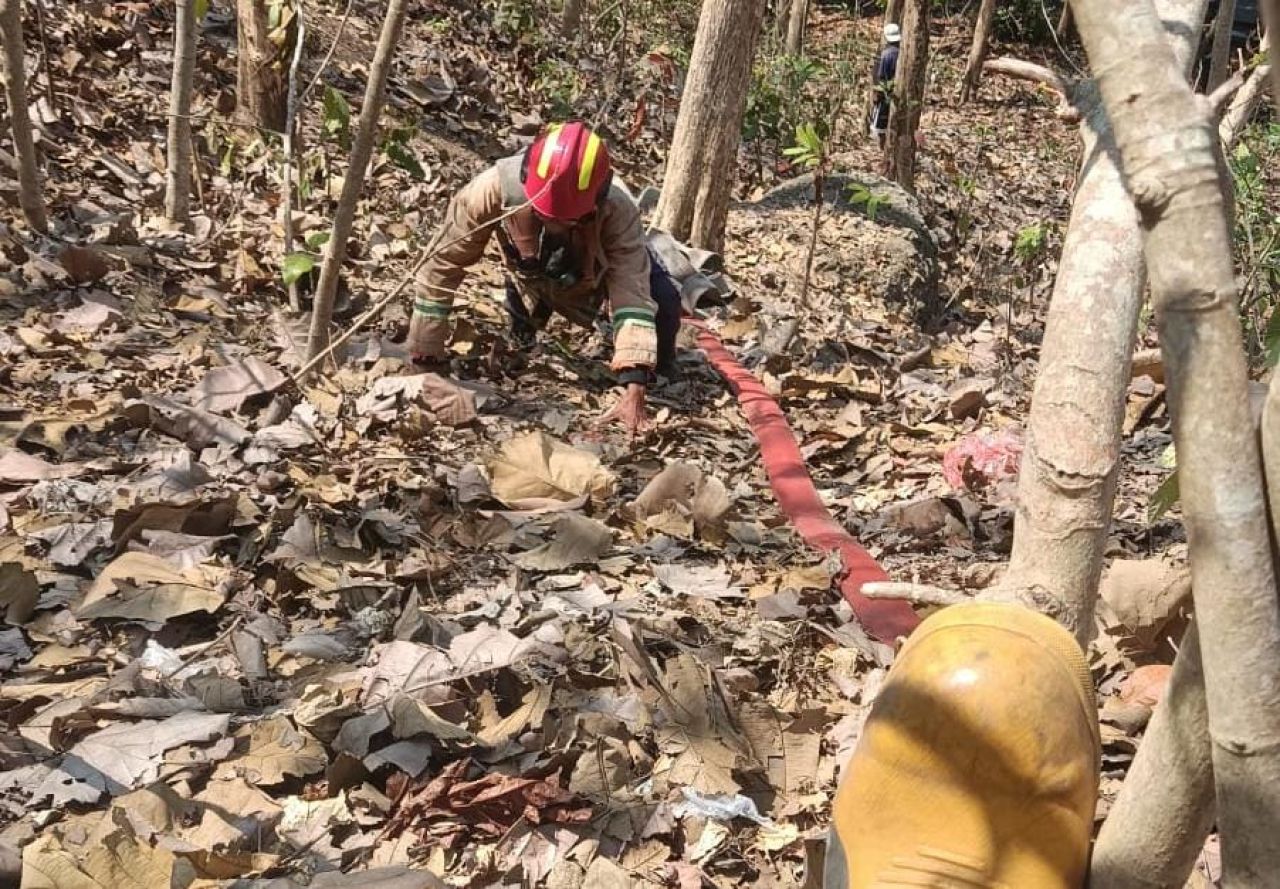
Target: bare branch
<point>1029,71</point>
<point>915,593</point>
<point>1222,95</point>
<point>1023,70</point>
<point>1246,100</point>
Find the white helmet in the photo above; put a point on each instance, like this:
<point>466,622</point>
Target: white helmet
<point>892,33</point>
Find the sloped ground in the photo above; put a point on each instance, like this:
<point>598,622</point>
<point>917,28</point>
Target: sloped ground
<point>257,630</point>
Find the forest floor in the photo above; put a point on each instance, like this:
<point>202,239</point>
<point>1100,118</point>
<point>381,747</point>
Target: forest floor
<point>261,630</point>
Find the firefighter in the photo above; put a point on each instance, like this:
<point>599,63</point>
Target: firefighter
<point>572,244</point>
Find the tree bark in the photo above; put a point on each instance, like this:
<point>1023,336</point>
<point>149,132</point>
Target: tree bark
<point>893,12</point>
<point>1066,486</point>
<point>177,195</point>
<point>702,162</point>
<point>289,147</point>
<point>1220,55</point>
<point>908,95</point>
<point>571,17</point>
<point>24,147</point>
<point>1167,150</point>
<point>797,20</point>
<point>1271,19</point>
<point>260,68</point>
<point>1158,823</point>
<point>978,50</point>
<point>1270,437</point>
<point>361,151</point>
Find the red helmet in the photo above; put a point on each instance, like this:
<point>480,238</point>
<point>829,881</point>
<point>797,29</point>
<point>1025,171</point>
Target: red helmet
<point>566,171</point>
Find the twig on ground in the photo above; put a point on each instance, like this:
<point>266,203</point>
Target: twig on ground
<point>915,593</point>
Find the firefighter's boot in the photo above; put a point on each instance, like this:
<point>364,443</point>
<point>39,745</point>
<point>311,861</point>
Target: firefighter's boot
<point>978,765</point>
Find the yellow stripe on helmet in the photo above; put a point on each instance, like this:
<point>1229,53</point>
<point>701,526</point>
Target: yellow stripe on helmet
<point>548,150</point>
<point>588,162</point>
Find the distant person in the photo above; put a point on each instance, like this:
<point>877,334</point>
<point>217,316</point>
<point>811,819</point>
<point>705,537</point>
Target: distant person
<point>886,68</point>
<point>571,244</point>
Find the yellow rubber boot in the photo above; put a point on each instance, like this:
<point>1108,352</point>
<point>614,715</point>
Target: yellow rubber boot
<point>978,766</point>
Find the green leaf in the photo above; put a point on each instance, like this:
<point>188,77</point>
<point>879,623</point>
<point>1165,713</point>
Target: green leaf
<point>1271,338</point>
<point>403,158</point>
<point>201,9</point>
<point>227,160</point>
<point>295,266</point>
<point>1168,458</point>
<point>1163,499</point>
<point>316,240</point>
<point>337,113</point>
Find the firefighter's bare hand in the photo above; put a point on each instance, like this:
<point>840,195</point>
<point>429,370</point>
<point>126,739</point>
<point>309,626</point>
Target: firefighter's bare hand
<point>630,411</point>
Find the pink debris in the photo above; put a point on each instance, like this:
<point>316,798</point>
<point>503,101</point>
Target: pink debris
<point>982,461</point>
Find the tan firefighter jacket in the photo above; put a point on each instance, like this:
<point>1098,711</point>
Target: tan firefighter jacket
<point>612,263</point>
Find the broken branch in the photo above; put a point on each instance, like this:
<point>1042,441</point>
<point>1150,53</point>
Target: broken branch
<point>915,593</point>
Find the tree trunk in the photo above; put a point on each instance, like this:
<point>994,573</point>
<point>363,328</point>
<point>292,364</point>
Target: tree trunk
<point>1220,55</point>
<point>978,50</point>
<point>1182,205</point>
<point>177,195</point>
<point>1066,486</point>
<point>24,146</point>
<point>571,18</point>
<point>290,147</point>
<point>260,71</point>
<point>893,12</point>
<point>702,162</point>
<point>1064,22</point>
<point>908,95</point>
<point>1271,19</point>
<point>797,19</point>
<point>1158,823</point>
<point>361,151</point>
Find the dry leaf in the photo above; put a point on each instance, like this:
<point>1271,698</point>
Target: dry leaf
<point>535,469</point>
<point>577,540</point>
<point>704,581</point>
<point>19,592</point>
<point>120,861</point>
<point>530,712</point>
<point>1146,685</point>
<point>83,264</point>
<point>273,751</point>
<point>410,717</point>
<point>227,388</point>
<point>22,468</point>
<point>676,484</point>
<point>121,757</point>
<point>197,428</point>
<point>693,741</point>
<point>1144,594</point>
<point>139,586</point>
<point>449,402</point>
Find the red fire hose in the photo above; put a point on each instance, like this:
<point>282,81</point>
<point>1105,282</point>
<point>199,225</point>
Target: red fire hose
<point>883,619</point>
